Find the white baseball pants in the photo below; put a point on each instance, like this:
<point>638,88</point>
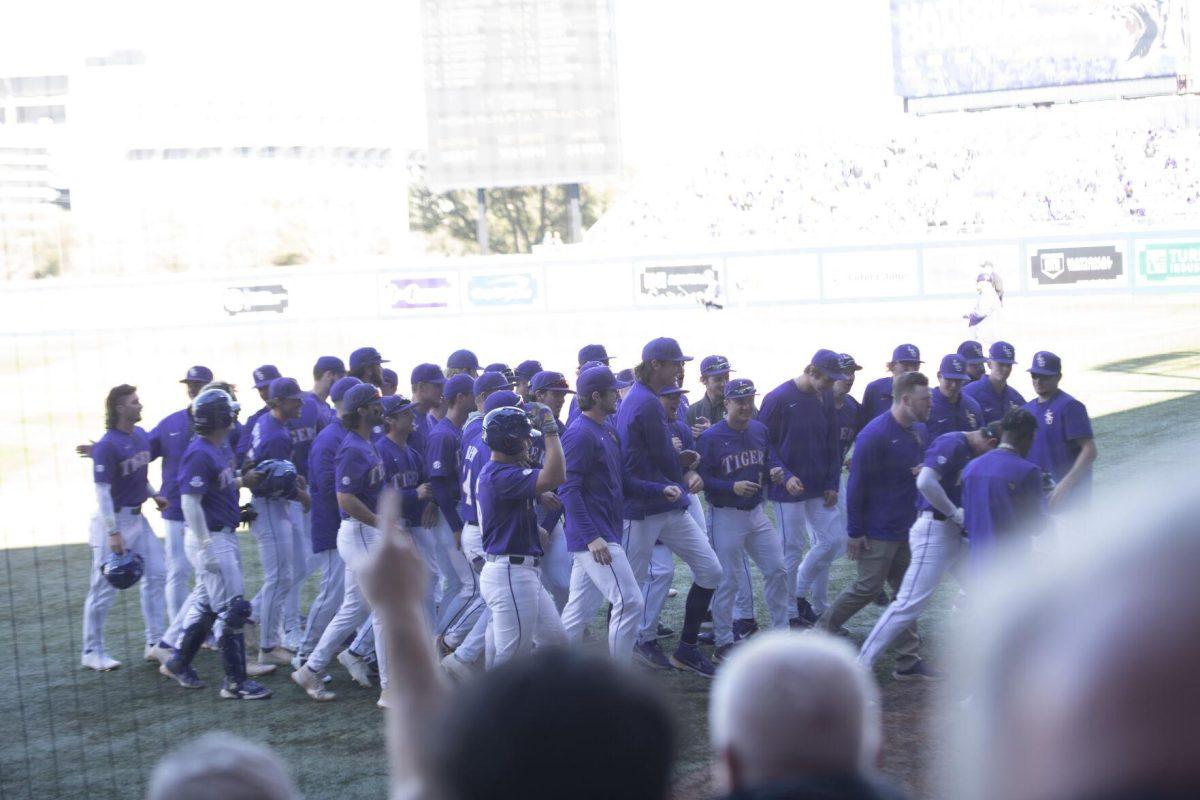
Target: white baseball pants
<point>936,547</point>
<point>802,523</point>
<point>737,533</point>
<point>304,563</point>
<point>328,599</point>
<point>557,566</point>
<point>461,600</point>
<point>216,584</point>
<point>523,613</point>
<point>591,584</point>
<point>179,569</point>
<point>655,585</point>
<point>355,542</point>
<point>272,530</point>
<point>135,530</point>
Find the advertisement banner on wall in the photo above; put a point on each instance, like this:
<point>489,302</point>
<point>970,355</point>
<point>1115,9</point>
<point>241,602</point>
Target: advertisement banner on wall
<point>679,283</point>
<point>869,274</point>
<point>502,289</point>
<point>418,291</point>
<point>954,270</point>
<point>782,278</point>
<point>1168,264</point>
<point>1059,266</point>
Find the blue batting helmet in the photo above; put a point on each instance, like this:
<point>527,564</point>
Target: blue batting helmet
<point>278,478</point>
<point>123,570</point>
<point>505,428</point>
<point>212,410</point>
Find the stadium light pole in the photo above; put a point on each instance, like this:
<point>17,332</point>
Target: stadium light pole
<point>574,214</point>
<point>481,226</point>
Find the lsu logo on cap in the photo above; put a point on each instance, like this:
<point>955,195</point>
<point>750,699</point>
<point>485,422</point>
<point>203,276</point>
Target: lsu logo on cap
<point>912,351</point>
<point>959,365</point>
<point>196,481</point>
<point>1007,351</point>
<point>1041,360</point>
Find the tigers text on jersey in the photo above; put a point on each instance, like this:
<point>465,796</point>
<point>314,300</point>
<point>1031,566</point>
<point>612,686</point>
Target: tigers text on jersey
<point>119,459</point>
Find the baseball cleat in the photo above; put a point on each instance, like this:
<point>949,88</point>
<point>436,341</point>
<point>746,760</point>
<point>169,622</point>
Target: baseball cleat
<point>360,673</point>
<point>672,592</point>
<point>721,653</point>
<point>649,655</point>
<point>456,669</point>
<point>707,637</point>
<point>382,702</point>
<point>291,640</point>
<point>210,643</point>
<point>921,671</point>
<point>882,600</point>
<point>806,612</point>
<point>664,632</point>
<point>444,648</point>
<point>689,658</point>
<point>744,629</point>
<point>797,624</point>
<point>99,661</point>
<point>185,676</point>
<point>160,653</point>
<point>257,670</point>
<point>277,656</point>
<point>248,690</point>
<point>312,684</point>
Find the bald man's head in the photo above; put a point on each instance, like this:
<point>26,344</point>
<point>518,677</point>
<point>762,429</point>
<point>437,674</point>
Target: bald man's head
<point>1086,686</point>
<point>786,706</point>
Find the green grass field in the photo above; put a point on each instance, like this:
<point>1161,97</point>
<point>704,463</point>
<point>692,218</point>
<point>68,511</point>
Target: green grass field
<point>75,733</point>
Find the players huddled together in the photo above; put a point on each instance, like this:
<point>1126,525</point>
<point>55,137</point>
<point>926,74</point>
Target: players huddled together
<point>528,525</point>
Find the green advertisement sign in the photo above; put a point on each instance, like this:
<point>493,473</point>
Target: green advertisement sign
<point>1165,262</point>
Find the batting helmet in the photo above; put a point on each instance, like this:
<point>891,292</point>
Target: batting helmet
<point>278,478</point>
<point>123,570</point>
<point>505,428</point>
<point>212,410</point>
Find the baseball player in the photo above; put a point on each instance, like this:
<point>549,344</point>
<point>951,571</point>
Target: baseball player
<point>457,661</point>
<point>951,410</point>
<point>522,612</point>
<point>684,442</point>
<point>551,389</point>
<point>326,372</point>
<point>1064,446</point>
<point>119,462</point>
<point>325,522</point>
<point>442,453</point>
<point>168,440</point>
<point>524,374</point>
<point>681,411</point>
<point>802,428</point>
<point>427,382</point>
<point>271,438</point>
<point>847,409</point>
<point>972,353</point>
<point>656,504</point>
<point>882,506</point>
<point>592,495</point>
<point>262,383</point>
<point>367,365</point>
<point>462,362</point>
<point>935,539</point>
<point>587,354</point>
<point>993,393</point>
<point>984,318</point>
<point>390,381</point>
<point>710,409</point>
<point>209,487</point>
<point>503,369</point>
<point>358,475</point>
<point>736,459</point>
<point>1003,492</point>
<point>877,397</point>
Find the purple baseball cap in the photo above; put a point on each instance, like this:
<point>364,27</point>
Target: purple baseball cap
<point>359,397</point>
<point>501,399</point>
<point>459,384</point>
<point>198,374</point>
<point>550,381</point>
<point>498,366</point>
<point>663,348</point>
<point>527,369</point>
<point>329,364</point>
<point>1002,353</point>
<point>740,387</point>
<point>625,376</point>
<point>395,404</point>
<point>954,367</point>
<point>715,365</point>
<point>1046,363</point>
<point>264,375</point>
<point>427,373</point>
<point>341,386</point>
<point>847,364</point>
<point>284,389</point>
<point>490,382</point>
<point>598,379</point>
<point>972,352</point>
<point>390,378</point>
<point>365,356</point>
<point>585,366</point>
<point>672,390</point>
<point>907,352</point>
<point>462,359</point>
<point>830,363</point>
<point>593,352</point>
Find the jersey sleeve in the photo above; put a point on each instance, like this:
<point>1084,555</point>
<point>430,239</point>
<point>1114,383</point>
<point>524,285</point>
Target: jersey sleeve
<point>154,438</point>
<point>350,471</point>
<point>1077,423</point>
<point>862,470</point>
<point>195,473</point>
<point>943,455</point>
<point>441,457</point>
<point>517,484</point>
<point>104,462</point>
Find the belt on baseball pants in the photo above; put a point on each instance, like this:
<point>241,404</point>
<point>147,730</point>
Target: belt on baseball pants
<point>939,516</point>
<point>520,561</point>
<point>130,510</point>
